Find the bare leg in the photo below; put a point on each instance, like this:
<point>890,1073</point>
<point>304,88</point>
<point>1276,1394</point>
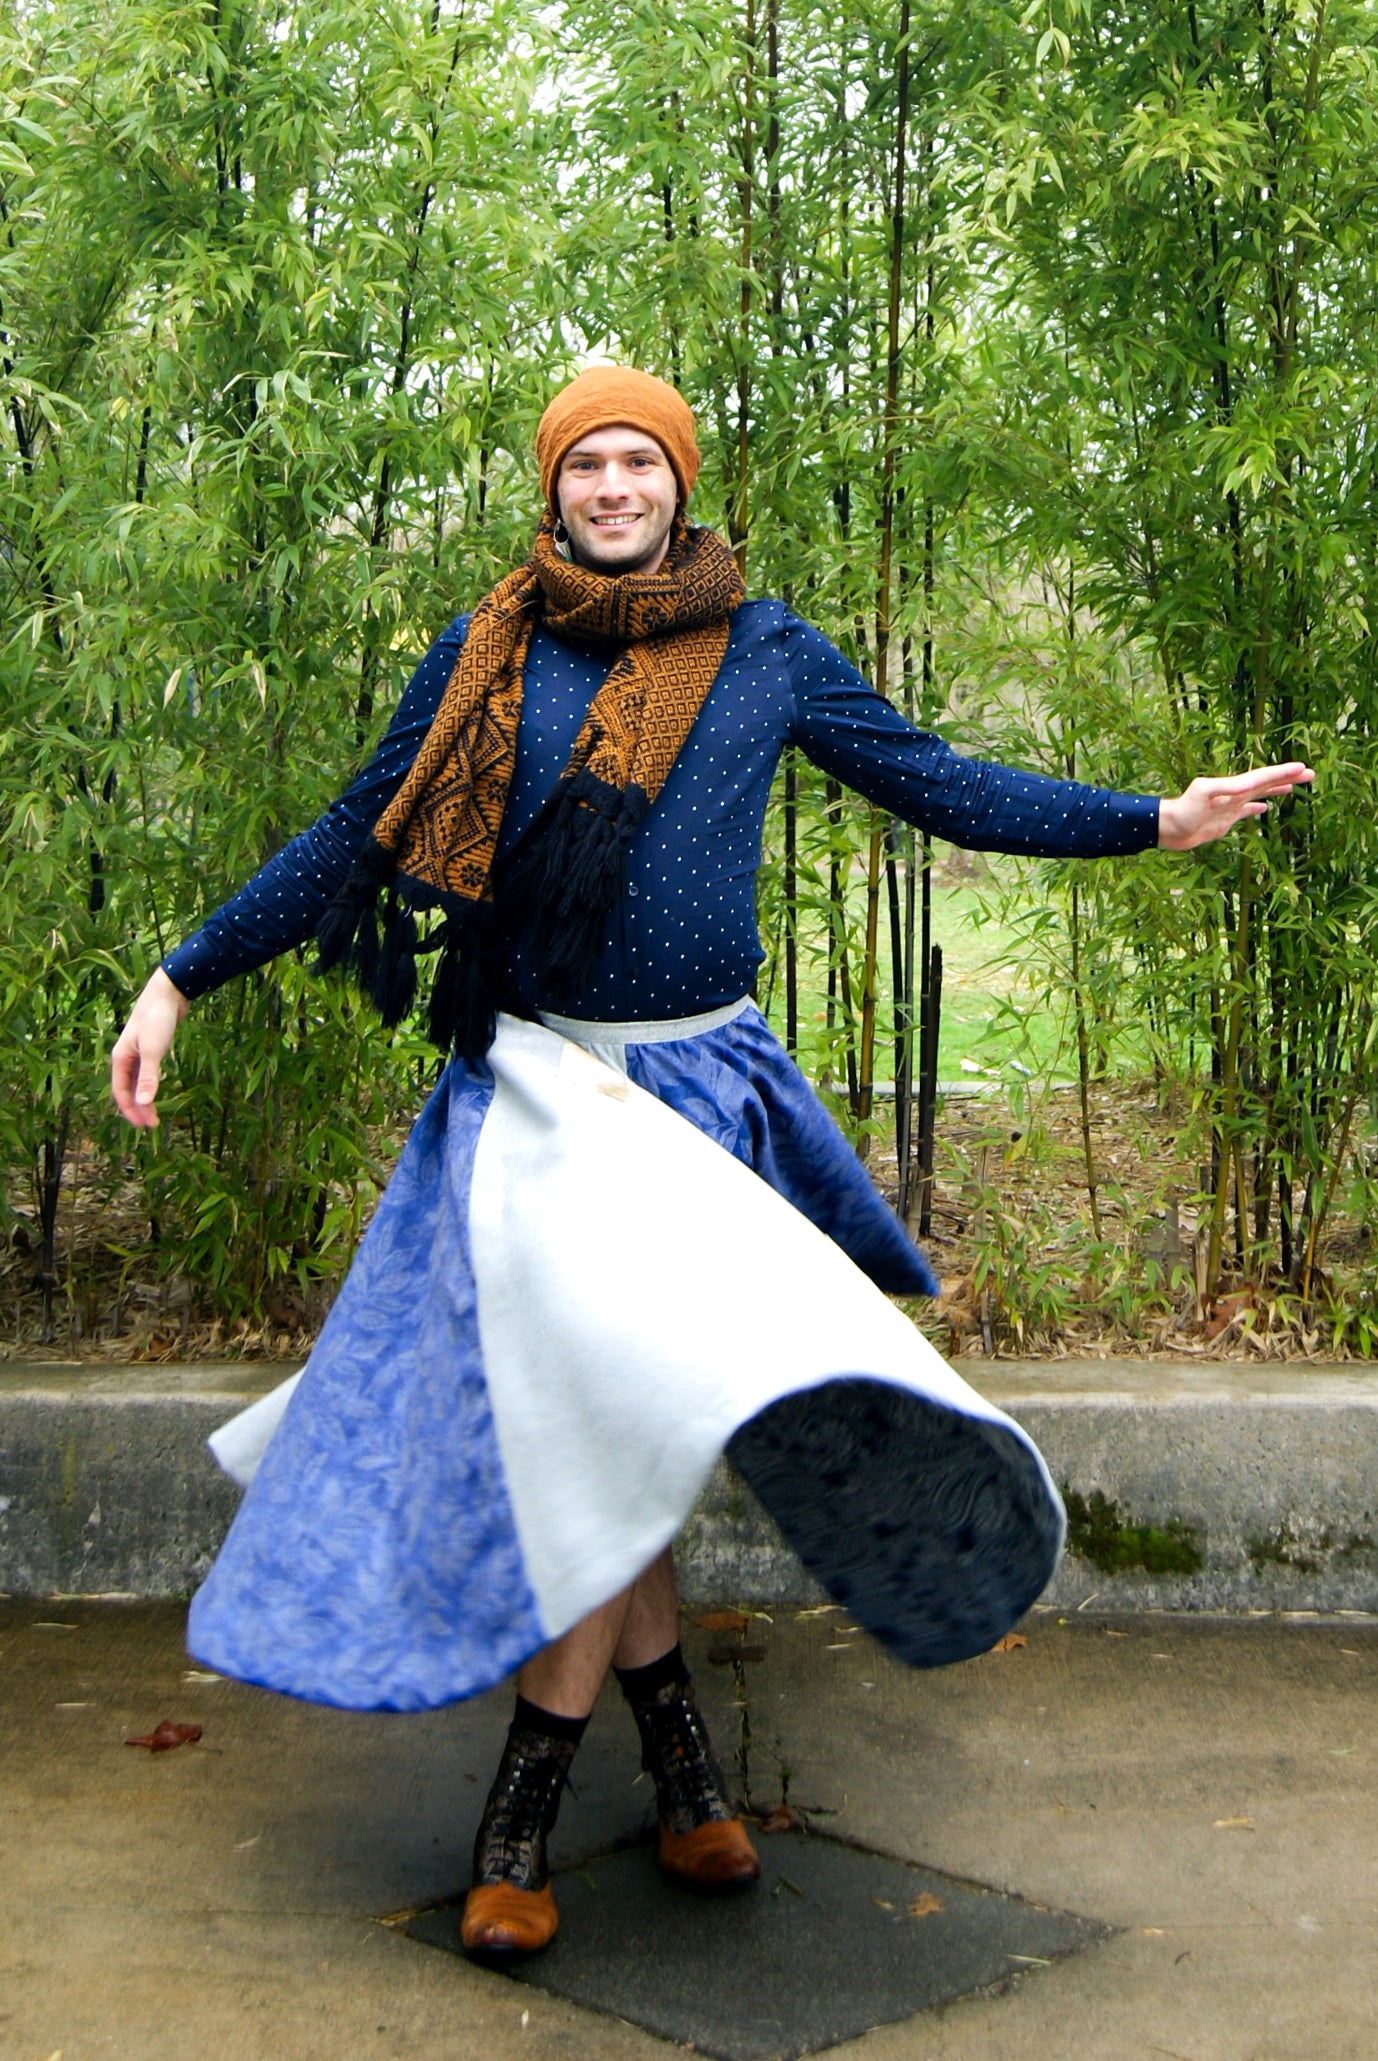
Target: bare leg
<point>651,1626</point>
<point>634,1628</point>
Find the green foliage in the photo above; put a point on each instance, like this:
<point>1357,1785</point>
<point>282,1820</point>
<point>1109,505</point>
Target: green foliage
<point>1188,454</point>
<point>256,390</point>
<point>282,292</point>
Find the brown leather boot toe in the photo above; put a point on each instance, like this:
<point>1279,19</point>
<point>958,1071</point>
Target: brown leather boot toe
<point>499,1919</point>
<point>714,1856</point>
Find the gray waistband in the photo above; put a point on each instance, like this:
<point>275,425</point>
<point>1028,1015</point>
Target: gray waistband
<point>660,1031</point>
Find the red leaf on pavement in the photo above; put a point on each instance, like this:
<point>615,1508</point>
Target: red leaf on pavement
<point>723,1621</point>
<point>1011,1642</point>
<point>165,1736</point>
<point>781,1819</point>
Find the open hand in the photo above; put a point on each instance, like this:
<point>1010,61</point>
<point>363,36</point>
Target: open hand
<point>142,1046</point>
<point>1210,808</point>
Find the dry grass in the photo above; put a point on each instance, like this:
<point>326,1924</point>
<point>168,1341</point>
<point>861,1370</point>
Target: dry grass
<point>1012,1242</point>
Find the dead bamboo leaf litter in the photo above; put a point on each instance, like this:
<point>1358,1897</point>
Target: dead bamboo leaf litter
<point>166,1736</point>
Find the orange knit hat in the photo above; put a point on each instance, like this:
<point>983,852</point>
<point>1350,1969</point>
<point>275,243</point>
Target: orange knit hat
<point>605,396</point>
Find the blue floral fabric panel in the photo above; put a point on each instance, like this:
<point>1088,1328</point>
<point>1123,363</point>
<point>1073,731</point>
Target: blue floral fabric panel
<point>374,1562</point>
<point>740,1087</point>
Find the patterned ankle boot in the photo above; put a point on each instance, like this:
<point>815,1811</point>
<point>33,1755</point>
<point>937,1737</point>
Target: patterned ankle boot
<point>511,1906</point>
<point>702,1843</point>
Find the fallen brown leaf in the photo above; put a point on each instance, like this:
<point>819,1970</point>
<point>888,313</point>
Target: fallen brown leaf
<point>723,1621</point>
<point>165,1736</point>
<point>781,1819</point>
<point>1011,1643</point>
<point>924,1904</point>
<point>723,1656</point>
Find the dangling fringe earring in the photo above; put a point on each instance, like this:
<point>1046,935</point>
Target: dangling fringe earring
<point>560,538</point>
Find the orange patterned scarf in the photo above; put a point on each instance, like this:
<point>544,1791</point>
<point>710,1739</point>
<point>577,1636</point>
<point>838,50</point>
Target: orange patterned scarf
<point>434,844</point>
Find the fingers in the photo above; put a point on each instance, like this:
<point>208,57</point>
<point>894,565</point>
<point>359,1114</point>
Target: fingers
<point>1261,780</point>
<point>137,1059</point>
<point>1209,808</point>
<point>134,1080</point>
<point>146,1093</point>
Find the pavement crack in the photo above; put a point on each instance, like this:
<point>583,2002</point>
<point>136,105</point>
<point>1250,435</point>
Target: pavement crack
<point>744,1736</point>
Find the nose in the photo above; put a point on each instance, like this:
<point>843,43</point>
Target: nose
<point>615,483</point>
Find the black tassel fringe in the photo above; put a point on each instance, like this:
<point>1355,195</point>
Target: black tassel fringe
<point>567,877</point>
<point>393,986</point>
<point>571,875</point>
<point>346,930</point>
<point>464,1011</point>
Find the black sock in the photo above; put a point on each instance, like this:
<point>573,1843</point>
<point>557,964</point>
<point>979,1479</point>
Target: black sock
<point>640,1684</point>
<point>547,1724</point>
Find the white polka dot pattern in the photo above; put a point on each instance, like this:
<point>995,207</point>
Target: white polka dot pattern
<point>684,939</point>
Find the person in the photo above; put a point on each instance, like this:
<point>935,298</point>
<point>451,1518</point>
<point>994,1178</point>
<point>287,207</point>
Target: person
<point>574,787</point>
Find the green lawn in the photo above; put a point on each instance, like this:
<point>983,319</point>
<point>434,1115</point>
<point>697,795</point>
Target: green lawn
<point>988,1021</point>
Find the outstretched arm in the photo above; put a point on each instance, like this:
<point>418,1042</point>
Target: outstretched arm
<point>142,1046</point>
<point>1210,808</point>
<point>864,741</point>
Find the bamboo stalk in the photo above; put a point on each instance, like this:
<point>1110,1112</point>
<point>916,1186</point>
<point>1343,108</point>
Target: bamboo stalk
<point>383,491</point>
<point>49,1197</point>
<point>1083,1065</point>
<point>839,971</point>
<point>921,1203</point>
<point>1229,1083</point>
<point>739,522</point>
<point>866,1067</point>
<point>791,887</point>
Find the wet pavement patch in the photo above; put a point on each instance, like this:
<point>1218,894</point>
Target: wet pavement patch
<point>831,1942</point>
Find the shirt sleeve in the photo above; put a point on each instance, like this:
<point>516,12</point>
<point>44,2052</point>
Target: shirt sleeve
<point>844,726</point>
<point>284,902</point>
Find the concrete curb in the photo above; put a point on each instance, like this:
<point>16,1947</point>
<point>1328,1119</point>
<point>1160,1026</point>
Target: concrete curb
<point>1191,1486</point>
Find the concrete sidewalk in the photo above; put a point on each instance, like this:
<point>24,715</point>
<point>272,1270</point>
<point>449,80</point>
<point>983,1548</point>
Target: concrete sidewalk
<point>1208,1787</point>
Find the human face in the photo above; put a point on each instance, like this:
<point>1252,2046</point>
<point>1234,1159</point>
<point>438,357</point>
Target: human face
<point>617,494</point>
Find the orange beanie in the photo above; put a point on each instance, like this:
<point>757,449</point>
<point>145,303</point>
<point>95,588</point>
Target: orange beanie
<point>602,398</point>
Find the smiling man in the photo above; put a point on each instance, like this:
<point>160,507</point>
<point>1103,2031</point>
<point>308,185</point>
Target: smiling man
<point>569,1302</point>
<point>617,493</point>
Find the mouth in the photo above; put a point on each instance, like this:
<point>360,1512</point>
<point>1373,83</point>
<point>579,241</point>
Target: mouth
<point>613,522</point>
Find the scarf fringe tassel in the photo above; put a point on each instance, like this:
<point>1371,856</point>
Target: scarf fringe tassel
<point>462,1011</point>
<point>572,875</point>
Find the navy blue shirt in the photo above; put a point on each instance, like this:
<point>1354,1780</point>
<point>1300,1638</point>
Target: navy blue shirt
<point>684,938</point>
